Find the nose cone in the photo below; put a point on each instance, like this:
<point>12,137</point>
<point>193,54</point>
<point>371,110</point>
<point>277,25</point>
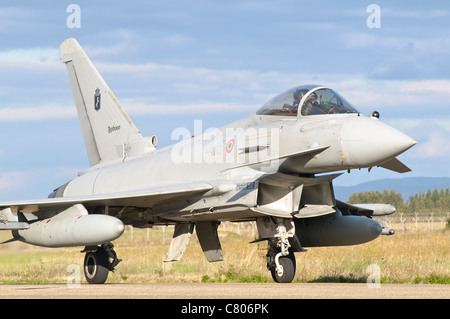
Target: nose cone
<point>368,142</point>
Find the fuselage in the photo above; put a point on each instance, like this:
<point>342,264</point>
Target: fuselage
<point>353,141</point>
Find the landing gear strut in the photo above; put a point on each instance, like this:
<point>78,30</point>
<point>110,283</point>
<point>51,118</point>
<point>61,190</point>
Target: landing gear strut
<point>98,262</point>
<point>280,257</point>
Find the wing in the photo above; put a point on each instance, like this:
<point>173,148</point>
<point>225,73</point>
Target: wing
<point>141,198</point>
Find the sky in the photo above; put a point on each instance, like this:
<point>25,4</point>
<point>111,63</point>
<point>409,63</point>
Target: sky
<point>173,62</point>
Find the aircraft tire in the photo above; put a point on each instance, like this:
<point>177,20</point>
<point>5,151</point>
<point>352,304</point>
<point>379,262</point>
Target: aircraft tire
<point>288,264</point>
<point>96,268</point>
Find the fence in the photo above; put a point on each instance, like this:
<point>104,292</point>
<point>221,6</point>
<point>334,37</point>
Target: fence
<point>418,221</point>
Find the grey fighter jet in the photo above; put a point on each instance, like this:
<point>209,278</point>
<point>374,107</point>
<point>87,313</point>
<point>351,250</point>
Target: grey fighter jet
<point>275,167</point>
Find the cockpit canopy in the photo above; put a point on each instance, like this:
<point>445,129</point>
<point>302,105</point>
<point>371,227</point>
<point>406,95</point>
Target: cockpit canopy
<point>310,100</point>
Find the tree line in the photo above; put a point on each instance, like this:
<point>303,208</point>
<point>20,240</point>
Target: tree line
<point>434,201</point>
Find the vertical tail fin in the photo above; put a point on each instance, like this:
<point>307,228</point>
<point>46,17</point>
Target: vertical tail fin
<point>106,126</point>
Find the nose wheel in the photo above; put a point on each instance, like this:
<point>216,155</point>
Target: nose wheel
<point>282,266</point>
<point>98,262</point>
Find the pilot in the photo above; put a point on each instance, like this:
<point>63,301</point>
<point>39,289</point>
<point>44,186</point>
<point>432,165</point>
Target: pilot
<point>310,103</point>
<point>298,94</point>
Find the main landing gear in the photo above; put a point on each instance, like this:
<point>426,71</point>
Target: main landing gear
<point>98,262</point>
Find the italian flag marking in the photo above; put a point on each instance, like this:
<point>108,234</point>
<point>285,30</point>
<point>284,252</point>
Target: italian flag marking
<point>230,145</point>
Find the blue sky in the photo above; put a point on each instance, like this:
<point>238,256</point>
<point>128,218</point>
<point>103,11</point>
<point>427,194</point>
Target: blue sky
<point>172,62</point>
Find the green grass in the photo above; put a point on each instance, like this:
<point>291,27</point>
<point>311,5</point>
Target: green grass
<point>235,276</point>
<point>432,279</point>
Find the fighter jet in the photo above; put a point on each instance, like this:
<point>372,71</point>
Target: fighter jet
<point>275,167</point>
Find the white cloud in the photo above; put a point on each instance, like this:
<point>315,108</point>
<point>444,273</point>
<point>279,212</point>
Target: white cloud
<point>437,145</point>
<point>31,54</point>
<point>104,68</point>
<point>41,66</point>
<point>151,88</point>
<point>42,59</point>
<point>386,93</point>
<point>12,114</point>
<point>183,108</point>
<point>425,46</point>
<point>414,14</point>
<point>427,87</point>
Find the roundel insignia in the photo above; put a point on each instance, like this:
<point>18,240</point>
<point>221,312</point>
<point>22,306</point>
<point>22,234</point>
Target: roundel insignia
<point>229,146</point>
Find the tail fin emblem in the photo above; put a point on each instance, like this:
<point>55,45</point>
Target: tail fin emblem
<point>97,99</point>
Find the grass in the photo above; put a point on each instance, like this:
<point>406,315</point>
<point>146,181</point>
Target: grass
<point>407,257</point>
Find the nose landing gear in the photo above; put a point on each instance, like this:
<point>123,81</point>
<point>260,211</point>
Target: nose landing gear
<point>280,257</point>
<point>282,268</point>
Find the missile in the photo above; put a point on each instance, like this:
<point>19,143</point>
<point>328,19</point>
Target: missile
<point>388,232</point>
<point>336,230</point>
<point>386,229</point>
<point>72,226</point>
